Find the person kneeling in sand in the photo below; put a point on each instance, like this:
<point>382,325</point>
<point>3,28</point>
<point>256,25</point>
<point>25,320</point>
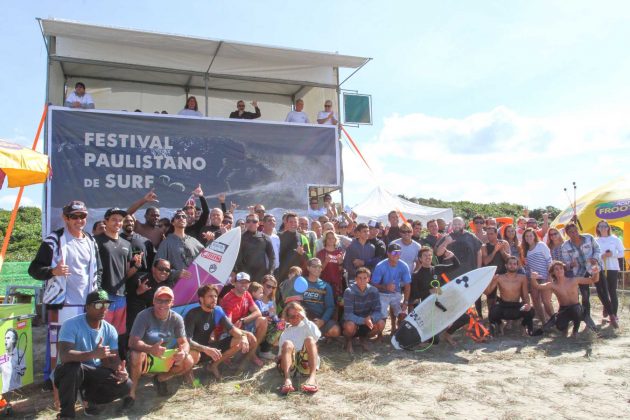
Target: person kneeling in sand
<point>513,302</point>
<point>200,323</point>
<point>362,310</point>
<point>567,292</point>
<point>153,327</point>
<point>298,348</point>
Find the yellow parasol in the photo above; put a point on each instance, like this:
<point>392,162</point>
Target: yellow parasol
<point>610,202</point>
<point>23,167</point>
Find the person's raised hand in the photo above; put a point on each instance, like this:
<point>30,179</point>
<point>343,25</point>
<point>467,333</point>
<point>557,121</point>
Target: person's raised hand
<point>143,286</point>
<point>185,274</point>
<point>208,236</point>
<point>157,349</point>
<point>151,197</point>
<point>198,191</point>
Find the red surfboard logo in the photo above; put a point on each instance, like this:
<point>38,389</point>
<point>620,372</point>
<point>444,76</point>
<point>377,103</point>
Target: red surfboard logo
<point>210,256</point>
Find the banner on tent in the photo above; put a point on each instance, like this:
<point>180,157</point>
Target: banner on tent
<point>113,158</point>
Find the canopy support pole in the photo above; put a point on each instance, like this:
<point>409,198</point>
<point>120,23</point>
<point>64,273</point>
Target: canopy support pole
<point>16,206</point>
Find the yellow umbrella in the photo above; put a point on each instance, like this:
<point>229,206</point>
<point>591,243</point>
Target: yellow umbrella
<point>610,202</point>
<point>21,165</point>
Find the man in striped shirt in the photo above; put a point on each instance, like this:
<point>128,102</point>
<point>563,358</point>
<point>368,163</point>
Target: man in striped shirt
<point>362,310</point>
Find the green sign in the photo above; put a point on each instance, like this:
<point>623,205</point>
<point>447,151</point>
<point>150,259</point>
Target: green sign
<point>357,109</point>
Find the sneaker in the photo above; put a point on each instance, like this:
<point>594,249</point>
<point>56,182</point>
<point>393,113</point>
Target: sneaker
<point>160,387</point>
<point>127,405</point>
<point>267,355</point>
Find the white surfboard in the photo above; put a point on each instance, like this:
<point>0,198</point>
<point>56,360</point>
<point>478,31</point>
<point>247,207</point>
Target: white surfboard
<point>429,319</point>
<point>213,265</point>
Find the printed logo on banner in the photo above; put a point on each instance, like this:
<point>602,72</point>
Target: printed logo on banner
<point>20,325</point>
<point>219,247</point>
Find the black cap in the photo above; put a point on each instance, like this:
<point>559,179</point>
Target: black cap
<point>115,210</point>
<point>393,247</point>
<point>74,207</point>
<point>97,296</point>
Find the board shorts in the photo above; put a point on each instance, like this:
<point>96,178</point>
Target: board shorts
<point>117,313</point>
<point>299,363</point>
<point>223,344</point>
<point>327,326</point>
<point>153,364</point>
<point>390,299</point>
<point>362,331</point>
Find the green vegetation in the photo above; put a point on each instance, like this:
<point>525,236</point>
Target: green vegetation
<point>468,210</point>
<point>26,236</point>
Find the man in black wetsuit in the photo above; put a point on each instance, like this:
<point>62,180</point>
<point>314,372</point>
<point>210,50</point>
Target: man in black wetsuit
<point>256,255</point>
<point>422,287</point>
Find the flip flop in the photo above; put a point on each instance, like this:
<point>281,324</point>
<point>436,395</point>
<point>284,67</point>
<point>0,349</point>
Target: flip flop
<point>309,388</point>
<point>286,389</point>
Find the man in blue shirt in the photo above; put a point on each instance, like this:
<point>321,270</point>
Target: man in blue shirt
<point>88,359</point>
<point>391,276</point>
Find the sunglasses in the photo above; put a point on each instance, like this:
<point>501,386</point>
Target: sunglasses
<point>163,269</point>
<point>79,216</point>
<point>405,231</point>
<point>163,301</point>
<point>179,216</point>
<point>252,221</point>
<point>293,316</point>
<point>101,305</point>
<point>395,253</point>
<point>226,222</point>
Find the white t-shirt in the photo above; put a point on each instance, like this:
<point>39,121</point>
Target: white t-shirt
<point>190,112</point>
<point>615,246</point>
<point>323,115</point>
<point>86,100</point>
<point>297,117</point>
<point>408,253</point>
<point>78,261</point>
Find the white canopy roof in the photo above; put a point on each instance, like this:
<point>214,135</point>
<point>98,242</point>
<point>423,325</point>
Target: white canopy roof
<point>380,202</point>
<point>126,55</point>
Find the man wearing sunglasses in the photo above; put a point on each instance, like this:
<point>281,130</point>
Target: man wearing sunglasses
<point>391,277</point>
<point>88,360</point>
<point>327,116</point>
<point>241,114</point>
<point>256,255</point>
<point>69,262</point>
<point>180,249</point>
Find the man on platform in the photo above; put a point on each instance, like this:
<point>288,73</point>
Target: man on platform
<point>298,115</point>
<point>78,98</point>
<point>241,114</point>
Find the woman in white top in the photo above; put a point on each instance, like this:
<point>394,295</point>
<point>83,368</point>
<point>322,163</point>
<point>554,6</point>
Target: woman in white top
<point>537,258</point>
<point>191,108</point>
<point>612,249</point>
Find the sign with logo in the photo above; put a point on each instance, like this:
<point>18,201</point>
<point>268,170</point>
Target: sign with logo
<point>613,209</point>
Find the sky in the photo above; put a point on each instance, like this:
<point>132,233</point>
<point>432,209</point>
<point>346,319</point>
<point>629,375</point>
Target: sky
<point>487,101</point>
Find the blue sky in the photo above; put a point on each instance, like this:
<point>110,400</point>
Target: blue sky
<point>483,101</point>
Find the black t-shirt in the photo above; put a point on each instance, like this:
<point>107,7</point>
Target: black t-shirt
<point>115,257</point>
<point>141,244</point>
<point>200,324</point>
<point>421,279</point>
<point>497,261</point>
<point>147,297</point>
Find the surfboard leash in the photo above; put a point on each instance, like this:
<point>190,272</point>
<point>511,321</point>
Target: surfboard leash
<point>435,283</point>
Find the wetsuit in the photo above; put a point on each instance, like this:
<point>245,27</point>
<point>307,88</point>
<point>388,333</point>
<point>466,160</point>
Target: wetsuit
<point>509,311</point>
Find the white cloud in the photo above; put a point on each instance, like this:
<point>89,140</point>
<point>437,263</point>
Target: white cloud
<point>8,201</point>
<point>493,156</point>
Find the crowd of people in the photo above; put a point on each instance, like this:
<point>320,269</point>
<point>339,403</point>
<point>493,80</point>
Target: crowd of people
<point>322,275</point>
<point>80,99</point>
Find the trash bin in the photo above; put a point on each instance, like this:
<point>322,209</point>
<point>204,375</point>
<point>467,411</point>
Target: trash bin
<point>16,346</point>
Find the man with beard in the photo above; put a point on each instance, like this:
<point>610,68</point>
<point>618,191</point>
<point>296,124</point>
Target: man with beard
<point>294,248</point>
<point>513,301</point>
<point>256,256</point>
<point>196,221</point>
<point>180,249</point>
<point>149,229</point>
<point>139,244</point>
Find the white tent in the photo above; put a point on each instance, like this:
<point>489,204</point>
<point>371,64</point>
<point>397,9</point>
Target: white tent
<point>380,202</point>
<point>126,69</point>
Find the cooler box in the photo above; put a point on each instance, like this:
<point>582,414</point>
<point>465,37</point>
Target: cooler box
<point>16,346</point>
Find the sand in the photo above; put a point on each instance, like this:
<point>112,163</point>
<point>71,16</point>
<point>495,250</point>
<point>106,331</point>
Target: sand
<point>507,377</point>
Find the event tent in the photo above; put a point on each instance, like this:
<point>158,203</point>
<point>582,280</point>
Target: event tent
<point>380,202</point>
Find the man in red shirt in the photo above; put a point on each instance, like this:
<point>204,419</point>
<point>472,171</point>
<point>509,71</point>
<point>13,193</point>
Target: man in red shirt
<point>240,307</point>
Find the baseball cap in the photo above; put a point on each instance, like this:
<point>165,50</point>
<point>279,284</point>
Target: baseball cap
<point>393,247</point>
<point>115,210</point>
<point>374,224</point>
<point>242,276</point>
<point>74,207</point>
<point>164,291</point>
<point>97,296</point>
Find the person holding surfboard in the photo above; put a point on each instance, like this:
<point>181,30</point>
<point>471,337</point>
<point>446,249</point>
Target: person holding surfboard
<point>567,291</point>
<point>513,299</point>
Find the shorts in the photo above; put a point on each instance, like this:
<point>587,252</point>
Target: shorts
<point>153,364</point>
<point>362,331</point>
<point>117,313</point>
<point>250,327</point>
<point>393,300</point>
<point>299,363</point>
<point>327,326</point>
